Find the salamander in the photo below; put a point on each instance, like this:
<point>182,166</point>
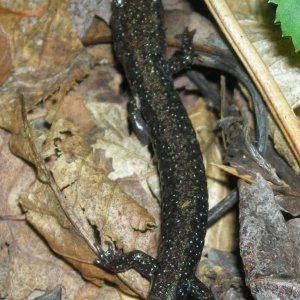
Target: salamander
<point>140,44</point>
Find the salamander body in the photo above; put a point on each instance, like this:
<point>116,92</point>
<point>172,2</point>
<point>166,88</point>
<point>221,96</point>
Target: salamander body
<point>139,43</point>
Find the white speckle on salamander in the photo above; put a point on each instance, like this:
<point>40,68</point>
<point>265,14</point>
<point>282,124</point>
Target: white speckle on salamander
<point>119,3</point>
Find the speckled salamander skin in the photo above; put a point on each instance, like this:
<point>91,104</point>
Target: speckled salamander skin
<point>139,42</point>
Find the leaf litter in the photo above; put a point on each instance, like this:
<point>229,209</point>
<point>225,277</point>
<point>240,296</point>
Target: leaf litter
<point>94,180</point>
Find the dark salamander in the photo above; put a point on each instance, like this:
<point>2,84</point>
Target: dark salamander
<point>139,41</point>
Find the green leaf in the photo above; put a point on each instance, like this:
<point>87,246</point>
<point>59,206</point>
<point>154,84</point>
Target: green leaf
<point>288,14</point>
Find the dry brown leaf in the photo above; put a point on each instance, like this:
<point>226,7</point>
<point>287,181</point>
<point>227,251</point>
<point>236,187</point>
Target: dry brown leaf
<point>32,266</point>
<point>5,56</point>
<point>72,108</point>
<point>102,85</point>
<point>21,147</point>
<point>131,162</point>
<point>234,171</point>
<point>107,292</point>
<point>37,12</point>
<point>47,58</point>
<point>99,30</point>
<point>90,199</point>
<point>26,263</point>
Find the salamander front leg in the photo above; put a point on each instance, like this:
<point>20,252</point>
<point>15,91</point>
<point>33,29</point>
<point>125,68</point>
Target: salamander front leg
<point>138,124</point>
<point>184,58</point>
<point>117,261</point>
<point>199,291</point>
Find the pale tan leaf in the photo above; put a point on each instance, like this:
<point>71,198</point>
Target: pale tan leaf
<point>130,160</point>
<point>234,171</point>
<point>222,235</point>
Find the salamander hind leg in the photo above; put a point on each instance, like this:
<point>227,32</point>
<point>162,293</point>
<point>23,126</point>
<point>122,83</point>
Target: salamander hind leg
<point>199,291</point>
<point>183,59</point>
<point>117,261</point>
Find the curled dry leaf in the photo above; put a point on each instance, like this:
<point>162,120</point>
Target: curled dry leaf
<point>48,58</point>
<point>89,199</point>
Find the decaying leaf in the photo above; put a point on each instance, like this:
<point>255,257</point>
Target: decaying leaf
<point>289,204</point>
<point>89,199</point>
<point>86,197</point>
<point>269,255</point>
<point>47,57</point>
<point>223,266</point>
<point>26,263</point>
